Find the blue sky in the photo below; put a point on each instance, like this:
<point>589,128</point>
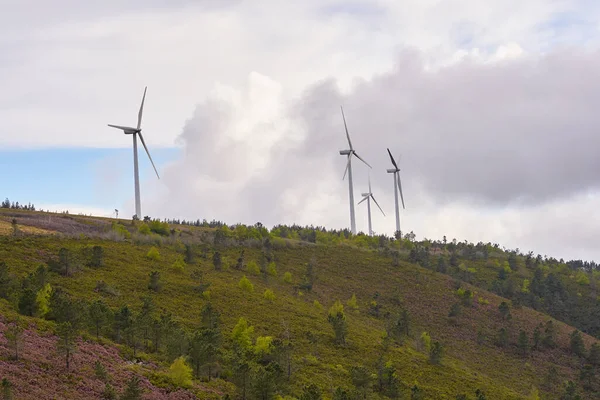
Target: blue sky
<point>95,177</point>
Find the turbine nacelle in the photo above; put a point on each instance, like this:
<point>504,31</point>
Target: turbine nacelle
<point>392,171</point>
<point>346,152</point>
<point>126,129</point>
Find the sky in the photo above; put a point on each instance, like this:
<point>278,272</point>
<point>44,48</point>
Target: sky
<point>489,107</point>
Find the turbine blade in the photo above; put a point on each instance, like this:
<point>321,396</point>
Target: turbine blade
<point>373,197</point>
<point>400,189</point>
<point>366,197</point>
<point>357,156</point>
<point>147,152</point>
<point>123,128</point>
<point>392,158</point>
<point>347,166</point>
<point>142,110</point>
<point>346,126</point>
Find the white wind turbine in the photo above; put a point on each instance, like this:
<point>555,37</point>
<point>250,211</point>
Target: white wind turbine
<point>368,197</point>
<point>135,132</point>
<point>349,153</point>
<point>397,188</point>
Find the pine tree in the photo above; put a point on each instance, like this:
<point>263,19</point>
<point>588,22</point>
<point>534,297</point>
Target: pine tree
<point>66,341</point>
<point>6,389</point>
<point>99,315</point>
<point>132,391</point>
<point>14,336</point>
<point>594,355</point>
<point>523,343</point>
<point>576,343</point>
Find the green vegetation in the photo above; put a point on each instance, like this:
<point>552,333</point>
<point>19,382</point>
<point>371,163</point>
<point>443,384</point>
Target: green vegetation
<point>216,309</point>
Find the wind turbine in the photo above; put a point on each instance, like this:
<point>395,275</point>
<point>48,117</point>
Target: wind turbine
<point>368,197</point>
<point>135,132</point>
<point>397,188</point>
<point>349,153</point>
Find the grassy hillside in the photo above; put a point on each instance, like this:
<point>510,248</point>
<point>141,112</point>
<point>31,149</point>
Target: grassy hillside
<point>481,351</point>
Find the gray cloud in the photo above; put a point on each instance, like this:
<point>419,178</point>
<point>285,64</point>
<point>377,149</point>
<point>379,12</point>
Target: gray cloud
<point>471,138</point>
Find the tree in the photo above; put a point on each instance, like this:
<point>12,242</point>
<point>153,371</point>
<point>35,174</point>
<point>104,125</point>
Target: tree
<point>436,353</point>
<point>97,258</point>
<point>64,261</point>
<point>594,355</point>
<point>311,392</point>
<point>99,315</point>
<point>265,380</point>
<point>587,375</point>
<point>337,319</point>
<point>189,254</point>
<point>479,395</point>
<point>570,392</point>
<point>576,343</point>
<point>6,389</point>
<point>523,343</point>
<point>14,336</point>
<point>361,378</point>
<point>204,350</point>
<point>502,339</point>
<point>308,279</point>
<point>549,339</point>
<point>154,281</point>
<point>217,262</point>
<point>504,310</point>
<point>132,391</point>
<point>42,300</point>
<point>66,341</point>
<point>180,373</point>
<point>109,392</point>
<point>537,337</point>
<point>15,227</point>
<point>100,371</point>
<point>416,393</point>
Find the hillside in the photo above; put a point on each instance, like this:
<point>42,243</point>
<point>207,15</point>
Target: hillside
<point>402,289</point>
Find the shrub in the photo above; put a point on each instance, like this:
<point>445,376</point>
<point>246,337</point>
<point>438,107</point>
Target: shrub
<point>153,254</point>
<point>161,228</point>
<point>179,265</point>
<point>206,295</point>
<point>272,269</point>
<point>180,373</point>
<point>121,230</point>
<point>287,277</point>
<point>144,229</point>
<point>264,345</point>
<point>269,295</point>
<point>246,285</point>
<point>318,305</point>
<point>352,303</point>
<point>252,268</point>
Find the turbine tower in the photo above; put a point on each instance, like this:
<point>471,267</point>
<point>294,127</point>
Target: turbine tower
<point>349,153</point>
<point>368,197</point>
<point>397,188</point>
<point>135,132</point>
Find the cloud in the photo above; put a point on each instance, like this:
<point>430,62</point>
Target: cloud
<point>487,150</point>
<point>85,65</point>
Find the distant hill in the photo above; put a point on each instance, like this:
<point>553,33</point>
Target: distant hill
<point>292,312</point>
